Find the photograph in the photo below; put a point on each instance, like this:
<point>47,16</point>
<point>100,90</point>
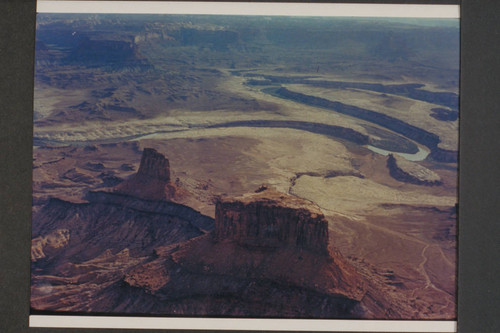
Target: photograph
<point>251,162</point>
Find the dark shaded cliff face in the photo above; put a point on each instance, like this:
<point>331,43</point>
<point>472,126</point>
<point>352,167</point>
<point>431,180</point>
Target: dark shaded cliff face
<point>154,165</point>
<point>444,114</point>
<point>101,240</point>
<point>205,278</point>
<point>271,219</point>
<point>115,222</point>
<point>267,257</point>
<point>328,130</point>
<point>152,180</point>
<point>132,255</point>
<point>419,135</point>
<point>113,52</point>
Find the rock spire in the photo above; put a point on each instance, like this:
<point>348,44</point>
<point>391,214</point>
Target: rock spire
<point>152,180</point>
<point>154,165</point>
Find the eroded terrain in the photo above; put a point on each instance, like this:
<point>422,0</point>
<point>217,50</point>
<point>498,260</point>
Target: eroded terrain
<point>206,95</point>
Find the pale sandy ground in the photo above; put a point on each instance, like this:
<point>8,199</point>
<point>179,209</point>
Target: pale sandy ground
<point>48,99</point>
<point>407,237</point>
<point>233,161</point>
<point>265,154</point>
<point>352,195</point>
<point>411,111</point>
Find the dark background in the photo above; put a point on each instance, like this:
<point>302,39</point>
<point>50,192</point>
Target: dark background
<point>479,182</point>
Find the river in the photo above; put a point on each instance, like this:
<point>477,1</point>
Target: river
<point>419,156</point>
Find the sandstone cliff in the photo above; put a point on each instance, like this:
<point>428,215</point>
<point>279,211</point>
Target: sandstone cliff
<point>137,249</point>
<point>154,165</point>
<point>267,257</point>
<point>271,219</point>
<point>152,180</point>
<point>101,239</point>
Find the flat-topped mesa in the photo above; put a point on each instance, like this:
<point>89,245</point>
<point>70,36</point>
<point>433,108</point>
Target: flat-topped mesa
<point>154,165</point>
<point>269,218</point>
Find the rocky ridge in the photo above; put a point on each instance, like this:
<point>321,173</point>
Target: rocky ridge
<point>267,257</point>
<point>411,172</point>
<point>88,245</point>
<point>267,248</point>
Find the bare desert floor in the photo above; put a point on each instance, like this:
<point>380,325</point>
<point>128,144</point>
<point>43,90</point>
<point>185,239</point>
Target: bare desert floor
<point>372,143</point>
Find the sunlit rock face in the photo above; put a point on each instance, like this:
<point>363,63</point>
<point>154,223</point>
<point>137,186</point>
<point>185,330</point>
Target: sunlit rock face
<point>271,219</point>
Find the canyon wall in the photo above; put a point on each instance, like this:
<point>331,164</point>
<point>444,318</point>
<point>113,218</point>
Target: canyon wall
<point>154,165</point>
<point>271,219</point>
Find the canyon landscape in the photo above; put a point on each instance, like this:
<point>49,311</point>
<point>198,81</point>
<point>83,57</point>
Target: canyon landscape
<point>245,166</point>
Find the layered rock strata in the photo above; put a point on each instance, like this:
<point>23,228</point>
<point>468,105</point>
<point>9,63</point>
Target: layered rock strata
<point>154,165</point>
<point>267,257</point>
<point>271,219</point>
<point>165,208</point>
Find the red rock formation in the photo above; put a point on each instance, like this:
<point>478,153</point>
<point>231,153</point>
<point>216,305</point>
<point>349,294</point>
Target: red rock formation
<point>152,180</point>
<point>271,219</point>
<point>154,165</point>
<point>267,257</point>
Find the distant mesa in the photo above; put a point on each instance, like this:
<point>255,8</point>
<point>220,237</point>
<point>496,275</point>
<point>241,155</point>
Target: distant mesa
<point>95,166</point>
<point>109,179</point>
<point>90,148</point>
<point>269,218</point>
<point>77,177</point>
<point>107,51</point>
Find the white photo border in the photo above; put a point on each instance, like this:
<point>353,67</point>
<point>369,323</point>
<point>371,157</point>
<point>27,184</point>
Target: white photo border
<point>251,8</point>
<point>318,325</point>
